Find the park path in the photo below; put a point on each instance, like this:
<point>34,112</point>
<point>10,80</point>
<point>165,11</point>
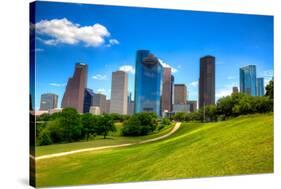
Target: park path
<point>176,127</point>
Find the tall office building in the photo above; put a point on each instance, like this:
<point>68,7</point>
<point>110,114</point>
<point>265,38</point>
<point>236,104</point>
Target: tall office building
<point>119,93</point>
<point>88,100</point>
<point>167,90</point>
<point>192,105</point>
<point>75,89</point>
<point>148,83</point>
<point>248,80</point>
<point>180,94</point>
<point>260,86</point>
<point>107,106</point>
<point>99,100</point>
<point>48,101</point>
<point>207,84</point>
<point>172,90</point>
<point>130,105</point>
<point>235,90</point>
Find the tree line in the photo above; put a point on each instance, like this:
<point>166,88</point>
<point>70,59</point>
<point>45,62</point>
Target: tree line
<point>231,106</point>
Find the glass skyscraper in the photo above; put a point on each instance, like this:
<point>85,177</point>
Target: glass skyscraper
<point>88,100</point>
<point>260,86</point>
<point>248,83</point>
<point>148,83</point>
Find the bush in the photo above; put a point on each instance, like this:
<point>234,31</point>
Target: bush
<point>44,138</point>
<point>56,132</point>
<point>140,124</point>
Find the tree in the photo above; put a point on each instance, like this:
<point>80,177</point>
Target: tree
<point>140,124</point>
<point>71,123</point>
<point>44,138</point>
<point>56,131</point>
<point>179,116</point>
<point>211,112</point>
<point>270,89</point>
<point>89,123</point>
<point>105,124</point>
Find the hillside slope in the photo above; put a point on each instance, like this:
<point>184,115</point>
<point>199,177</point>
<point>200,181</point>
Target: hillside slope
<point>242,145</point>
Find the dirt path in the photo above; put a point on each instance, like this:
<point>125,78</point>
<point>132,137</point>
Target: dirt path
<point>176,127</point>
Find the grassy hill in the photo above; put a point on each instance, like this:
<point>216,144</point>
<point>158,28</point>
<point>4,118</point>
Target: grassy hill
<point>243,145</point>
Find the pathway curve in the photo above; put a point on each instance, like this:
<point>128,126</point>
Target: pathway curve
<point>176,127</point>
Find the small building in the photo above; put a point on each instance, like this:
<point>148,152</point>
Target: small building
<point>95,110</point>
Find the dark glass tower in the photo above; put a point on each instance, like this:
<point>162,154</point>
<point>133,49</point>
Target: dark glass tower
<point>167,90</point>
<point>248,80</point>
<point>148,83</point>
<point>88,100</point>
<point>207,84</point>
<point>74,92</point>
<point>260,86</point>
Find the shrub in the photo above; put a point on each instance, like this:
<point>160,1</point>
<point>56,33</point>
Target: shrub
<point>44,138</point>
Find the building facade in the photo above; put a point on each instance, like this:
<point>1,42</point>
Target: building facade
<point>248,80</point>
<point>180,94</point>
<point>88,100</point>
<point>207,84</point>
<point>48,101</point>
<point>107,106</point>
<point>260,86</point>
<point>75,89</point>
<point>119,93</point>
<point>148,83</point>
<point>95,110</point>
<point>235,90</point>
<point>167,90</point>
<point>99,100</point>
<point>192,105</point>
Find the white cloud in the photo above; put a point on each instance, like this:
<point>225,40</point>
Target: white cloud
<point>165,65</point>
<point>193,84</point>
<point>223,92</point>
<point>38,50</point>
<point>57,84</point>
<point>112,42</point>
<point>231,77</point>
<point>127,68</point>
<point>99,77</point>
<point>64,31</point>
<point>101,91</point>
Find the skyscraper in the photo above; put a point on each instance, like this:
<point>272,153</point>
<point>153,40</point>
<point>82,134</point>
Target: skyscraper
<point>167,90</point>
<point>248,80</point>
<point>148,83</point>
<point>48,101</point>
<point>260,86</point>
<point>180,94</point>
<point>192,105</point>
<point>119,93</point>
<point>99,100</point>
<point>235,90</point>
<point>88,100</point>
<point>207,84</point>
<point>75,89</point>
<point>107,106</point>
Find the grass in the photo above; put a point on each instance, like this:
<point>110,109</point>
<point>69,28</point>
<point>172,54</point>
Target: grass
<point>243,145</point>
<point>113,139</point>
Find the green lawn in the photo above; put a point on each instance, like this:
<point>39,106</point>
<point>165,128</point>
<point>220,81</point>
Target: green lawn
<point>243,145</point>
<point>113,139</point>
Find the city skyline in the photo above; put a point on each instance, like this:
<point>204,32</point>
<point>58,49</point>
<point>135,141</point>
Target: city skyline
<point>235,40</point>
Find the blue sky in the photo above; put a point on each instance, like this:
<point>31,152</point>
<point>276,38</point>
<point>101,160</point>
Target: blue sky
<point>107,37</point>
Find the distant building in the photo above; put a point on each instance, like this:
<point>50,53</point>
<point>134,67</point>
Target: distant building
<point>180,94</point>
<point>148,83</point>
<point>167,90</point>
<point>48,101</point>
<point>56,110</point>
<point>95,110</point>
<point>235,90</point>
<point>207,79</point>
<point>181,108</point>
<point>88,100</point>
<point>248,80</point>
<point>130,105</point>
<point>260,86</point>
<point>99,100</point>
<point>75,89</point>
<point>107,106</point>
<point>192,105</point>
<point>119,92</point>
